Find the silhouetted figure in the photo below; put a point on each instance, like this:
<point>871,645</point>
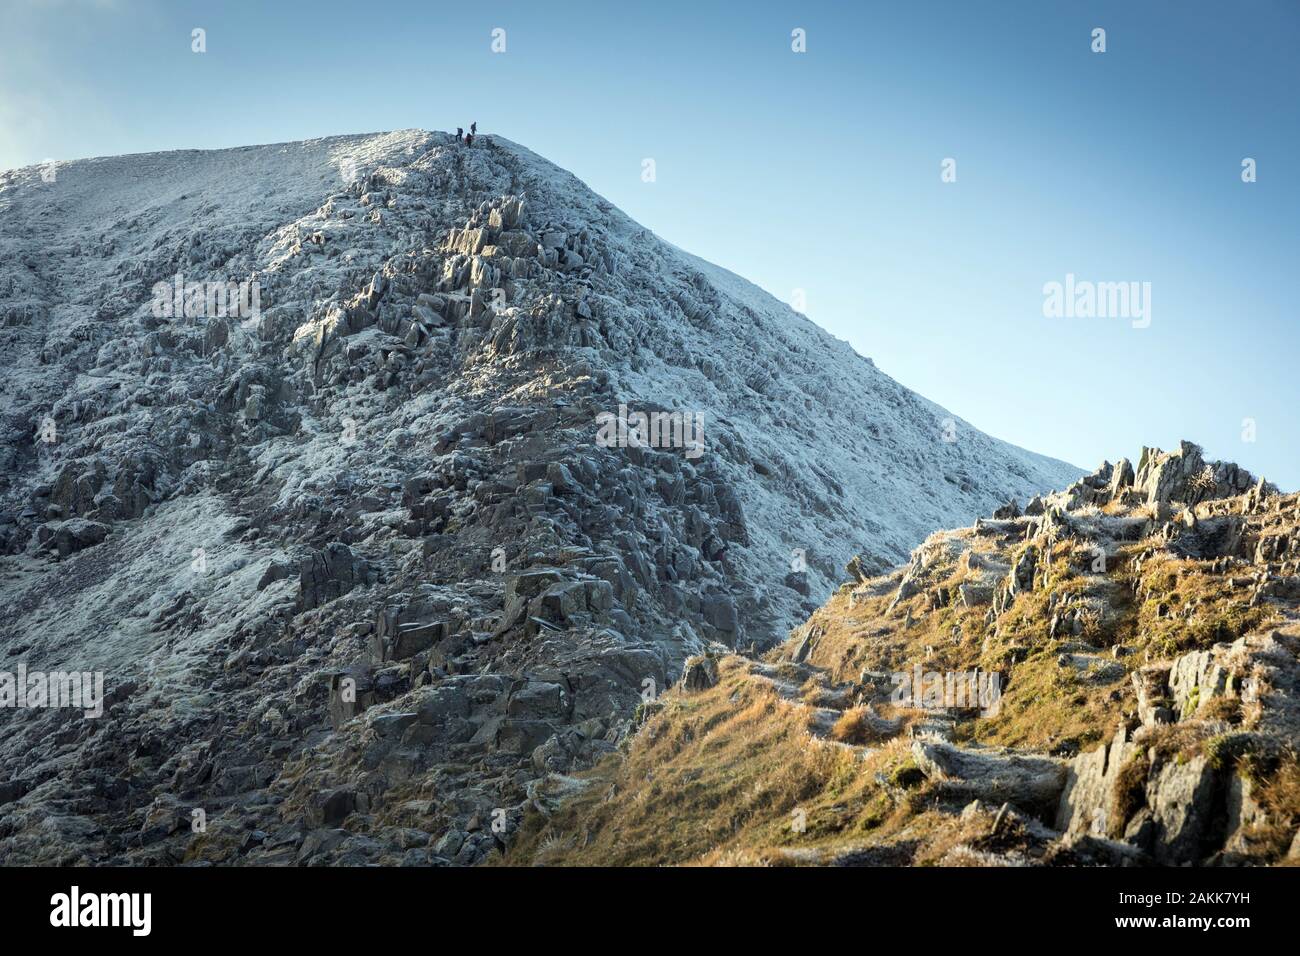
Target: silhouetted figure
<point>460,133</point>
<point>469,139</point>
<point>473,128</point>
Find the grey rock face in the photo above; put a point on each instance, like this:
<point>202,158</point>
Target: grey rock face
<point>329,574</point>
<point>1187,809</point>
<point>1089,799</point>
<point>1181,797</point>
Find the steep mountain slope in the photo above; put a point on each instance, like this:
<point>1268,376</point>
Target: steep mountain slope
<point>360,553</point>
<point>1136,646</point>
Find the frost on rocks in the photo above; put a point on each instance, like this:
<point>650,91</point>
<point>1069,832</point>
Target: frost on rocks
<point>357,568</point>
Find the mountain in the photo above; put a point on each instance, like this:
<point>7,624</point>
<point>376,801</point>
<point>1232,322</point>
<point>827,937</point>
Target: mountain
<point>1110,678</point>
<point>327,457</point>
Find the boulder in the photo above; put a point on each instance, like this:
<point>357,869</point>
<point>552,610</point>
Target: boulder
<point>76,534</point>
<point>351,692</point>
<point>537,699</point>
<point>720,611</point>
<point>1196,677</point>
<point>1010,510</point>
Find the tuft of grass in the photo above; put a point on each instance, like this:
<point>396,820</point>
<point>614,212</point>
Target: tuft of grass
<point>1224,708</point>
<point>855,727</point>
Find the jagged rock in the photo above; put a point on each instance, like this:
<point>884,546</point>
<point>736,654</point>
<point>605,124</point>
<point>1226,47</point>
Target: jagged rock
<point>1010,510</point>
<point>1195,678</point>
<point>720,611</point>
<point>393,725</point>
<point>806,638</point>
<point>1088,802</point>
<point>329,574</point>
<point>337,805</point>
<point>350,694</point>
<point>1244,815</point>
<point>906,589</point>
<point>537,700</point>
<point>76,534</point>
<point>447,709</point>
<point>1122,479</point>
<point>797,581</point>
<point>275,571</point>
<point>1184,476</point>
<point>1022,573</point>
<point>974,595</point>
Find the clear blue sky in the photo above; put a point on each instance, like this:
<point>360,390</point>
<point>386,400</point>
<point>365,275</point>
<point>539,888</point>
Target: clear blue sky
<point>818,171</point>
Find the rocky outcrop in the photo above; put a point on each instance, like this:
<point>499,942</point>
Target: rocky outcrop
<point>1180,808</point>
<point>1105,679</point>
<point>1184,476</point>
<point>329,574</point>
<point>1089,799</point>
<point>63,538</point>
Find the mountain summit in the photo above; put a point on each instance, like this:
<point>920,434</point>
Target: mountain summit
<point>380,478</point>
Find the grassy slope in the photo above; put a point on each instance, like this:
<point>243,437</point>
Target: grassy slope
<point>726,775</point>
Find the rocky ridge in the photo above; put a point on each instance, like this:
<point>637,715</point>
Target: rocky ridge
<point>1144,627</point>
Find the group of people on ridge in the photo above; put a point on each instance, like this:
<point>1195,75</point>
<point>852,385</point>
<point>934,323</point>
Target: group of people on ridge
<point>467,138</point>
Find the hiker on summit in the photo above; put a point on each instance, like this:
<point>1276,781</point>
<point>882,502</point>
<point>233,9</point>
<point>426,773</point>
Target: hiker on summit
<point>469,139</point>
<point>473,128</point>
<point>460,133</point>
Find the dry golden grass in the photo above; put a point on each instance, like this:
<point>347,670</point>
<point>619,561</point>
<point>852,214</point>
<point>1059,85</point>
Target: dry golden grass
<point>726,776</point>
<point>1227,709</point>
<point>699,774</point>
<point>1200,609</point>
<point>855,727</point>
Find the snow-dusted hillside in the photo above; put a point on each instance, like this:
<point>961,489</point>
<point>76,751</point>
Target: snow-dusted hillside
<point>387,476</point>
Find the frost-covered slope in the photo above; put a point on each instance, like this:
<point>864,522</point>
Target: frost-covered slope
<point>389,474</point>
